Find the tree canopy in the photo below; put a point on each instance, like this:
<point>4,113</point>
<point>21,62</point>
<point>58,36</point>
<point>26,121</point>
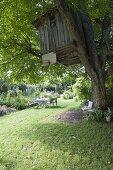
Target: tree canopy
<point>19,42</point>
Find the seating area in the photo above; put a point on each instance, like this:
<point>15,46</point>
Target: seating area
<point>43,102</point>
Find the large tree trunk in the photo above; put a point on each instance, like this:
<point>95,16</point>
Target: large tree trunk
<point>99,94</point>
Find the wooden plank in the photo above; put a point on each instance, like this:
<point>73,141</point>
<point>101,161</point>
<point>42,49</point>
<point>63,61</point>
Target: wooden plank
<point>58,29</point>
<point>65,32</point>
<point>61,31</point>
<point>42,38</point>
<point>53,38</point>
<point>67,55</point>
<point>47,38</point>
<point>49,35</point>
<point>56,33</point>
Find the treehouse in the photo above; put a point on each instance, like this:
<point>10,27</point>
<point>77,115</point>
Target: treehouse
<point>56,41</point>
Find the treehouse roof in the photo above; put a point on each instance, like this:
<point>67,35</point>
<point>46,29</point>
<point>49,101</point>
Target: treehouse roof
<point>40,20</point>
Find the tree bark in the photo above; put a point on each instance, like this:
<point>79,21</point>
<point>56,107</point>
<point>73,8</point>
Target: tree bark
<point>99,95</point>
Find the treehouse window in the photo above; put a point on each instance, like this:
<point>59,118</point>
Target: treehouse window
<point>52,21</point>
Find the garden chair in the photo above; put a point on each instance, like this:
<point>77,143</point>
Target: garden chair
<point>53,101</point>
<point>88,107</point>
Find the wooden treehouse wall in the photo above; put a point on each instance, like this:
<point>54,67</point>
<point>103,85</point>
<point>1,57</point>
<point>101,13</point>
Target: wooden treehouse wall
<point>54,34</point>
<point>55,37</point>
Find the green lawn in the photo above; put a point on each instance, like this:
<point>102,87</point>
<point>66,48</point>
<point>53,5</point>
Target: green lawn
<point>32,140</point>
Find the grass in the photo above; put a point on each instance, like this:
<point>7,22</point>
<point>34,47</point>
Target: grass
<point>33,140</point>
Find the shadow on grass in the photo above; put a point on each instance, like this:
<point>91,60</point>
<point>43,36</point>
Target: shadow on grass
<point>56,107</point>
<point>6,164</point>
<point>87,139</point>
<point>49,107</point>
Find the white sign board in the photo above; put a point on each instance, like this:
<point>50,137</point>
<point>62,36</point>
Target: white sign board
<point>50,57</point>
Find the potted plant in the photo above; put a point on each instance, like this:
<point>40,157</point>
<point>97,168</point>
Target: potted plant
<point>108,115</point>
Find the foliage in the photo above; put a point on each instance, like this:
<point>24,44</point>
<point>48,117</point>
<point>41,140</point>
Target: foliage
<point>96,114</point>
<point>3,87</point>
<point>35,93</point>
<point>18,37</point>
<point>49,86</point>
<point>108,112</point>
<point>18,102</point>
<point>109,87</point>
<point>54,95</point>
<point>49,95</point>
<point>12,93</point>
<point>82,88</point>
<point>68,94</point>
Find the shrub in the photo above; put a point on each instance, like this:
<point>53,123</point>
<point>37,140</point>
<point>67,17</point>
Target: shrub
<point>46,95</point>
<point>19,102</point>
<point>68,94</point>
<point>54,95</point>
<point>82,89</point>
<point>19,93</point>
<point>50,95</point>
<point>12,93</point>
<point>109,89</point>
<point>36,93</point>
<point>96,114</point>
<point>3,87</point>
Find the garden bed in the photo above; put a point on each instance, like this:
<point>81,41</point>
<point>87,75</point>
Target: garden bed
<point>70,116</point>
<point>4,110</point>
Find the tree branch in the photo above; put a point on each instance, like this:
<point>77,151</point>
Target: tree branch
<point>28,48</point>
<point>105,37</point>
<point>14,57</point>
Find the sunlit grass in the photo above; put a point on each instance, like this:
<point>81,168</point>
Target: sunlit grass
<point>33,140</point>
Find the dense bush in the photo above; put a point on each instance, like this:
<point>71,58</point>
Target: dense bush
<point>109,87</point>
<point>54,95</point>
<point>68,94</point>
<point>18,102</point>
<point>96,114</point>
<point>35,93</point>
<point>110,97</point>
<point>12,93</point>
<point>49,95</point>
<point>3,87</point>
<point>82,89</point>
<point>45,95</point>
